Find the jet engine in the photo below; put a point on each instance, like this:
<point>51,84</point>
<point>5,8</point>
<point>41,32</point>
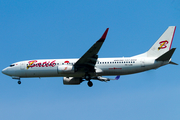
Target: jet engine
<point>72,81</point>
<point>65,69</point>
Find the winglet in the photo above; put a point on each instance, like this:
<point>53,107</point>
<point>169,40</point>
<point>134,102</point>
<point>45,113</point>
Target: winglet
<point>103,36</point>
<point>117,77</point>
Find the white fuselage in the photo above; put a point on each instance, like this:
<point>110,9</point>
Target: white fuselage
<point>89,66</point>
<point>103,67</point>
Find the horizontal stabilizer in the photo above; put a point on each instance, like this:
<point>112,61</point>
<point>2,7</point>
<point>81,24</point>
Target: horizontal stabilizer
<point>166,56</point>
<point>173,63</point>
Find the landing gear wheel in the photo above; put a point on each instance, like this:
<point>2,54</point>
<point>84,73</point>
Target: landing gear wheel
<point>19,82</point>
<point>90,84</point>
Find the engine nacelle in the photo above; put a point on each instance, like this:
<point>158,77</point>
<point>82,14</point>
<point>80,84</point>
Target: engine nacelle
<point>71,81</point>
<point>65,69</point>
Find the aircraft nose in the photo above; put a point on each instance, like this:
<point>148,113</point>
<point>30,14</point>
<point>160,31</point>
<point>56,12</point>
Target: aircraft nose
<point>5,71</point>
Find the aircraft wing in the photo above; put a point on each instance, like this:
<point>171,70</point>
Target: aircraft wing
<point>87,62</point>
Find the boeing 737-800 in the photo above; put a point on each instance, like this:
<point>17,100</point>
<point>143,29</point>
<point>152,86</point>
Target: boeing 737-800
<point>90,66</point>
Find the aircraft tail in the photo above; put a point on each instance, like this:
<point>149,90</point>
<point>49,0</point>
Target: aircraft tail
<point>163,44</point>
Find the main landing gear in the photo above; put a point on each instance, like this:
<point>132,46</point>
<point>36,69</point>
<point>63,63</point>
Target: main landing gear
<point>88,78</point>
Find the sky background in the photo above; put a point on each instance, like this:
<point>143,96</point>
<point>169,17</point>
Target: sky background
<point>44,29</point>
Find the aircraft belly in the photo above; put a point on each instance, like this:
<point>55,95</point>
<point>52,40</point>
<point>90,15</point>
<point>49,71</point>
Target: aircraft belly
<point>49,72</point>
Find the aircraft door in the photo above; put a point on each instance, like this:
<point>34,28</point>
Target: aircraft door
<point>22,66</point>
<point>142,63</point>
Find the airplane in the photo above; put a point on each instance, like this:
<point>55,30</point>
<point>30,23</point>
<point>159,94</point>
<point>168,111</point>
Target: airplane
<point>91,67</point>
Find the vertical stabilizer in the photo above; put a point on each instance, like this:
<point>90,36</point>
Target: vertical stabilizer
<point>163,44</point>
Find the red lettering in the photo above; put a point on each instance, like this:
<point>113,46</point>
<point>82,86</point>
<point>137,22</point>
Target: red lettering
<point>47,64</point>
<point>38,65</point>
<point>53,63</point>
<point>34,63</point>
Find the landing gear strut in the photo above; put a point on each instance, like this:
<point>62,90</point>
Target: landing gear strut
<point>90,84</point>
<point>19,82</point>
<point>88,78</point>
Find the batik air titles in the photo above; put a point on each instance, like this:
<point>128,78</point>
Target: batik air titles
<point>91,67</point>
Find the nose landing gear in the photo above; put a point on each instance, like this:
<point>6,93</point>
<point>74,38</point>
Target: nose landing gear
<point>19,82</point>
<point>17,78</point>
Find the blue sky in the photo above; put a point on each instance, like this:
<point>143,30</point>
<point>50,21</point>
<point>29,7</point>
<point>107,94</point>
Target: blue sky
<point>67,29</point>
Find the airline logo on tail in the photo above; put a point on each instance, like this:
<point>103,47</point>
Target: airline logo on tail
<point>163,44</point>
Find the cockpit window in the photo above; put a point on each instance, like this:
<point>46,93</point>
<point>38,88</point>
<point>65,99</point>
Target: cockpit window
<point>12,65</point>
